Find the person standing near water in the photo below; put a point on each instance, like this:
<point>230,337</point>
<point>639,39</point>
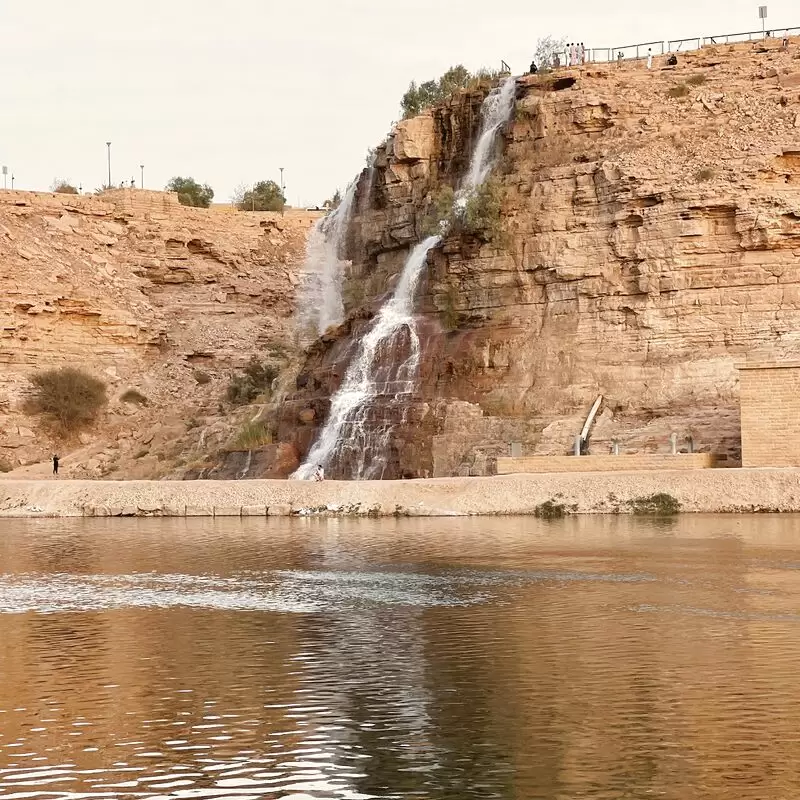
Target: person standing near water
<point>55,465</point>
<point>319,475</point>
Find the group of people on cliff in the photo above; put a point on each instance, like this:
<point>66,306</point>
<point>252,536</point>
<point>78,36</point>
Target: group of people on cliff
<point>574,55</point>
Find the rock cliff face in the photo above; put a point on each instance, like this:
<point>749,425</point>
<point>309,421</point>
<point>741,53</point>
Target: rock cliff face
<point>650,240</point>
<point>147,295</point>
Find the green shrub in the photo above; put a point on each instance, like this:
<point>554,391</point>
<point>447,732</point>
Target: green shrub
<point>253,435</point>
<point>190,192</point>
<point>256,379</point>
<point>264,196</point>
<point>679,91</point>
<point>697,80</point>
<point>483,214</point>
<point>430,93</point>
<point>441,209</point>
<point>201,377</point>
<point>70,397</point>
<point>657,505</point>
<point>550,509</point>
<point>134,397</point>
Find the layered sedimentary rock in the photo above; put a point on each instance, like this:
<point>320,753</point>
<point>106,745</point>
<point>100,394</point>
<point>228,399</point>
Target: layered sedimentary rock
<point>147,295</point>
<point>650,240</point>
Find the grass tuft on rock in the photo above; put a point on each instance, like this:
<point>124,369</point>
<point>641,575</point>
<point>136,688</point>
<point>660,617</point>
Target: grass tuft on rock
<point>253,435</point>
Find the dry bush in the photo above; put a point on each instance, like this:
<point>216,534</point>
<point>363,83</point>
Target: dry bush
<point>134,397</point>
<point>679,91</point>
<point>201,377</point>
<point>68,396</point>
<point>63,186</point>
<point>703,175</point>
<point>697,80</point>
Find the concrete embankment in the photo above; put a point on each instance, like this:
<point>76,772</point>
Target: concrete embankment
<point>707,491</point>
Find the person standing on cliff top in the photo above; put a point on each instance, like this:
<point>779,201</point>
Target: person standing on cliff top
<point>649,58</point>
<point>55,465</point>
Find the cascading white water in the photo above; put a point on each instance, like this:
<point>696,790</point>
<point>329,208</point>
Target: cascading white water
<point>351,430</point>
<point>321,304</point>
<point>495,113</point>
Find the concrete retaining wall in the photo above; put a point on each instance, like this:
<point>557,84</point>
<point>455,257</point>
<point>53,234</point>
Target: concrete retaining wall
<point>635,463</point>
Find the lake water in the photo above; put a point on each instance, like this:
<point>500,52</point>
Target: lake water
<point>445,659</point>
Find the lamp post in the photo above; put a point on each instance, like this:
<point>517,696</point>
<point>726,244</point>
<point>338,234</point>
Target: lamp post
<point>141,184</point>
<point>108,145</point>
<point>283,191</point>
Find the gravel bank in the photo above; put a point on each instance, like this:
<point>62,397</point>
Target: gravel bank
<point>707,491</point>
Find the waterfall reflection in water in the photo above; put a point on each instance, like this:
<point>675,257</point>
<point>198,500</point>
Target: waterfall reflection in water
<point>435,659</point>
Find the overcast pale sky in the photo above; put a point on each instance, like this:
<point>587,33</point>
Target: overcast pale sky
<point>228,92</point>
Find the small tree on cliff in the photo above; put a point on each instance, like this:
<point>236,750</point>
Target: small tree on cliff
<point>63,186</point>
<point>190,192</point>
<point>422,96</point>
<point>547,48</point>
<point>264,196</point>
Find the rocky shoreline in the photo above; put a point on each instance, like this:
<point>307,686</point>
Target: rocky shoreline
<point>703,491</point>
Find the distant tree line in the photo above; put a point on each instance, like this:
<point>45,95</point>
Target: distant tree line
<point>262,196</point>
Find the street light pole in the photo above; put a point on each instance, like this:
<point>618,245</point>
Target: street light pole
<point>283,191</point>
<point>108,145</point>
<point>141,184</point>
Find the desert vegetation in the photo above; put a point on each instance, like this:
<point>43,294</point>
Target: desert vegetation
<point>68,397</point>
<point>419,97</point>
<point>190,192</point>
<point>657,505</point>
<point>63,186</point>
<point>480,216</point>
<point>255,380</point>
<point>262,196</point>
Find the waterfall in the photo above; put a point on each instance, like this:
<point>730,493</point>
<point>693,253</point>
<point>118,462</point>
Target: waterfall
<point>496,110</point>
<point>321,305</point>
<point>243,474</point>
<point>383,373</point>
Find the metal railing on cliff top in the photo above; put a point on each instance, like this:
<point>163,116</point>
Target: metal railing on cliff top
<point>639,51</point>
